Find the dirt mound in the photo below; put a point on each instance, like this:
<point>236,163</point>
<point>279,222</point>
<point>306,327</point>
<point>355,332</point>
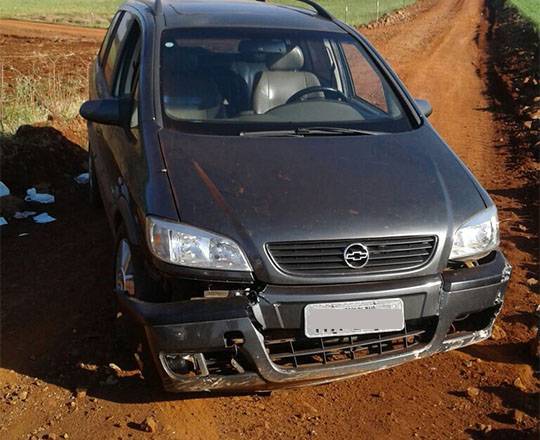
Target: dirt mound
<point>39,155</point>
<point>515,78</point>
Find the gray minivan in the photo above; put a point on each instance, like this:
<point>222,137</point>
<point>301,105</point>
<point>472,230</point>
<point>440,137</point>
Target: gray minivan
<point>284,213</point>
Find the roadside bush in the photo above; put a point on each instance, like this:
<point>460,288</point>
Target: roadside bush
<point>32,98</point>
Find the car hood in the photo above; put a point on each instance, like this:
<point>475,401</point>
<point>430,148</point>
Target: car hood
<point>273,189</point>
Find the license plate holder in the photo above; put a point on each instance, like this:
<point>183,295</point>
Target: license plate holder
<point>354,317</point>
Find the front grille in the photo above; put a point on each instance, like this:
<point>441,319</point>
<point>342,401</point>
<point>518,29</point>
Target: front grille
<point>326,258</point>
<point>293,350</point>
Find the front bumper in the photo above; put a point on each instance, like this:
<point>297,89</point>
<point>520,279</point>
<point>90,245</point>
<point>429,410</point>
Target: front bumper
<point>461,305</point>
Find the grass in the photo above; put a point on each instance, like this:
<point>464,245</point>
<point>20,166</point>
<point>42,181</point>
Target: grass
<point>529,9</point>
<point>96,13</point>
<point>32,98</point>
<point>93,13</point>
<point>357,12</point>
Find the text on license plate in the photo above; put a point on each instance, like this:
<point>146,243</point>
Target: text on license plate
<point>354,318</point>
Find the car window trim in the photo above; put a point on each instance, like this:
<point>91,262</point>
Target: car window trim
<point>130,17</point>
<point>128,49</point>
<point>103,53</point>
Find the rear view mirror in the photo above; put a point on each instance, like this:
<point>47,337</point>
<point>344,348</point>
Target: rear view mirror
<point>111,111</point>
<point>424,106</point>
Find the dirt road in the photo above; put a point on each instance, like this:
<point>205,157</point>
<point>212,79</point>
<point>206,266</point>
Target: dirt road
<point>57,281</point>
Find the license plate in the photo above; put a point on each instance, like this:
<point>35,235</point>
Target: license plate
<point>354,318</point>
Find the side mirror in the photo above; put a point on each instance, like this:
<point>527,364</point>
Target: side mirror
<point>424,106</point>
<point>111,111</point>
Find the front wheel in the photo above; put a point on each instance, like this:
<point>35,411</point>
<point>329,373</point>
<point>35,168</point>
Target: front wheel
<point>131,279</point>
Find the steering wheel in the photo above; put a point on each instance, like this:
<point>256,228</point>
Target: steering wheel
<point>328,92</point>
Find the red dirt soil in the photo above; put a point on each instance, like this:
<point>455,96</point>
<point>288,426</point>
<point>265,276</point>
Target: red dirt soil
<point>57,280</point>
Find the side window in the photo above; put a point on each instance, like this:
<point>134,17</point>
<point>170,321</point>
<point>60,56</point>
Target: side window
<point>107,40</point>
<point>128,65</point>
<point>135,111</point>
<point>127,75</point>
<point>117,40</point>
<point>366,81</point>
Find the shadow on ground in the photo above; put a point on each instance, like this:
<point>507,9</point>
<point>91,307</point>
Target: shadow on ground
<point>57,309</point>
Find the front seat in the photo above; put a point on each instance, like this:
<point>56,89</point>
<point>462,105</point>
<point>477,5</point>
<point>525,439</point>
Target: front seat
<point>195,98</point>
<point>188,91</point>
<point>283,79</point>
<point>252,60</point>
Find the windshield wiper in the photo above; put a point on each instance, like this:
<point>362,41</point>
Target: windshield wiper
<point>313,131</point>
<point>271,133</point>
<point>317,131</point>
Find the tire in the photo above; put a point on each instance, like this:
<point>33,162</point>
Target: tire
<point>130,277</point>
<point>137,282</point>
<point>94,197</point>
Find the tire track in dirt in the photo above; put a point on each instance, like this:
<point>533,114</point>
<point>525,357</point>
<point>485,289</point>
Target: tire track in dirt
<point>450,73</point>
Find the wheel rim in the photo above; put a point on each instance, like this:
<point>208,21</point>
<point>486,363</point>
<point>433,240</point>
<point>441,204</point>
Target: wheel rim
<point>124,269</point>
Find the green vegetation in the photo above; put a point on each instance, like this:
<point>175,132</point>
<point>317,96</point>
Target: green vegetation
<point>96,13</point>
<point>356,12</point>
<point>32,98</point>
<point>529,9</point>
<point>93,13</point>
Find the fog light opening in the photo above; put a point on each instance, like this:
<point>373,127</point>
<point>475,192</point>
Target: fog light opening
<point>473,322</point>
<point>220,363</point>
<point>186,363</point>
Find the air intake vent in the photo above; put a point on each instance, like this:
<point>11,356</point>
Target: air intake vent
<point>327,258</point>
<point>290,349</point>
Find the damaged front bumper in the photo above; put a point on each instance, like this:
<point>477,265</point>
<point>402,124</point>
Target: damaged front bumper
<point>256,342</point>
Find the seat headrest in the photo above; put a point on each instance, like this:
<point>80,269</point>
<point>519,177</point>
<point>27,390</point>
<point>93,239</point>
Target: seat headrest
<point>292,60</point>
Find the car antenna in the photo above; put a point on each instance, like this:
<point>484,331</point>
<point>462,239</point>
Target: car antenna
<point>318,8</point>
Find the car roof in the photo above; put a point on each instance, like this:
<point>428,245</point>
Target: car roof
<point>239,13</point>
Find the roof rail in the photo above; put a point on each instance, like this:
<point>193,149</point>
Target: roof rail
<point>154,5</point>
<point>157,7</point>
<point>318,8</point>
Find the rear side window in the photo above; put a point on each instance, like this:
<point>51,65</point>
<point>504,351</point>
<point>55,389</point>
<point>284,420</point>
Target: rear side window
<point>107,41</point>
<point>117,40</point>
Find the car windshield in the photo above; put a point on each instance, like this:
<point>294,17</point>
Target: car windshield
<point>237,81</point>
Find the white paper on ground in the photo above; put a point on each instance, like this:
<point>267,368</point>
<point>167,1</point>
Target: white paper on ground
<point>4,190</point>
<point>3,221</point>
<point>33,196</point>
<point>82,179</point>
<point>24,214</point>
<point>44,218</point>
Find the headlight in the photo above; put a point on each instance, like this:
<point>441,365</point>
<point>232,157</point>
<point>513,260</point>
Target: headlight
<point>477,237</point>
<point>185,245</point>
